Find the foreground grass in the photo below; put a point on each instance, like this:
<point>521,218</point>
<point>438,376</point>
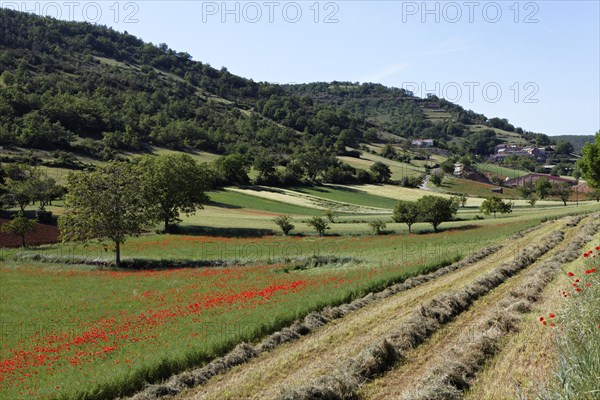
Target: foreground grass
<point>578,368</point>
<point>98,334</point>
<point>528,366</point>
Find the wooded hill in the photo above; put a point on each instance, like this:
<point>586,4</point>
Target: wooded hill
<point>91,90</point>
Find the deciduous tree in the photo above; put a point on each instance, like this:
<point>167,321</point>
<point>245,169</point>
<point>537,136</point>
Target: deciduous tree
<point>319,224</point>
<point>589,163</point>
<point>495,205</point>
<point>562,191</point>
<point>20,226</point>
<point>406,213</point>
<point>176,184</point>
<point>106,203</point>
<point>436,209</point>
<point>381,172</point>
<point>284,222</point>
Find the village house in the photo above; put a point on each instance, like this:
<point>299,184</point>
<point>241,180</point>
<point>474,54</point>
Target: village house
<point>504,150</point>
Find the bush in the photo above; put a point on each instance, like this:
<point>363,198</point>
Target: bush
<point>284,223</point>
<point>319,224</point>
<point>378,227</point>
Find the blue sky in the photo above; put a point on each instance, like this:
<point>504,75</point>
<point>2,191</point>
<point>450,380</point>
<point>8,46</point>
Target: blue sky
<point>535,63</point>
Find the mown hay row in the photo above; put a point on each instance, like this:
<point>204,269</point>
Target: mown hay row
<point>458,371</point>
<point>245,352</point>
<point>426,320</point>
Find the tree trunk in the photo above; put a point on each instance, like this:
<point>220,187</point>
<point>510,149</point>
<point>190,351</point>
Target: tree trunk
<point>166,230</point>
<point>409,225</point>
<point>118,254</point>
<point>23,240</point>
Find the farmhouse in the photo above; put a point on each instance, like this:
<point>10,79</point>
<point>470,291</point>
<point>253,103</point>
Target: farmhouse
<point>505,150</point>
<point>522,180</point>
<point>423,142</point>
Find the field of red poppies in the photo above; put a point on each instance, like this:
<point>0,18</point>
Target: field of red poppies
<point>117,329</point>
<point>72,331</point>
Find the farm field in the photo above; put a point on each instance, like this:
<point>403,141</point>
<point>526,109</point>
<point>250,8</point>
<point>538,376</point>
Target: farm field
<point>305,362</point>
<point>228,277</point>
<point>399,169</point>
<point>500,170</point>
<point>530,360</point>
<point>454,185</point>
<point>109,326</point>
<point>217,233</point>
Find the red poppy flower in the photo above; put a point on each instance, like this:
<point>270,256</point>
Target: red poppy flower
<point>541,318</point>
<point>597,247</point>
<point>544,322</point>
<point>570,274</point>
<point>578,289</point>
<point>588,271</point>
<point>551,315</point>
<point>588,284</point>
<point>551,324</point>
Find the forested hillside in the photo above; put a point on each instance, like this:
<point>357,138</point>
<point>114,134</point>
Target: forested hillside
<point>578,141</point>
<point>92,90</point>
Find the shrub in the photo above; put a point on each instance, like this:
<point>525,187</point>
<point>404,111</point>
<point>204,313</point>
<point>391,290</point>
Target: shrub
<point>377,227</point>
<point>319,224</point>
<point>284,223</point>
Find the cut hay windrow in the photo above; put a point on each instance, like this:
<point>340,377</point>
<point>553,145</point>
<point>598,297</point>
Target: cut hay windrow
<point>427,319</point>
<point>245,352</point>
<point>458,371</point>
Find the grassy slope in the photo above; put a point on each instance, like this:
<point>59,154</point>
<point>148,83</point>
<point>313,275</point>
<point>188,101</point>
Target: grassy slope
<point>349,195</point>
<point>500,170</point>
<point>454,185</point>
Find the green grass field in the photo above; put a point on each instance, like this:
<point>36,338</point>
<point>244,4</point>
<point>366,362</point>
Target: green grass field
<point>500,170</point>
<point>102,333</point>
<point>399,170</point>
<point>228,199</point>
<point>454,185</point>
<point>349,195</point>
